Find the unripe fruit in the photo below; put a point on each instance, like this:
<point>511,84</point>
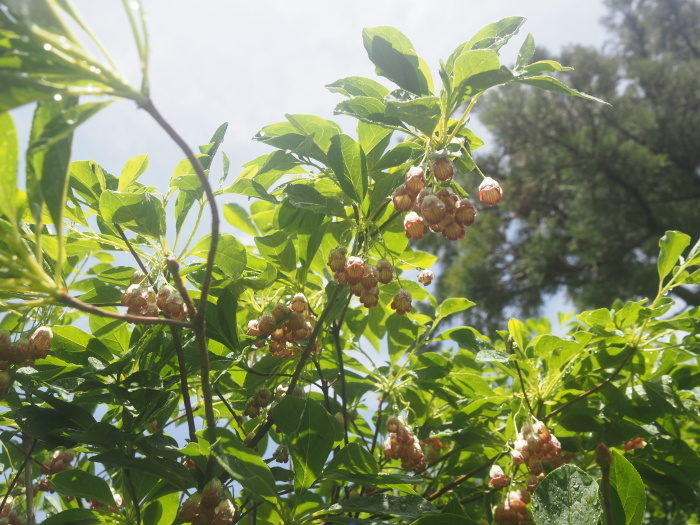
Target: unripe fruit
<point>138,277</point>
<point>357,288</point>
<point>442,168</point>
<point>277,335</point>
<point>163,295</point>
<point>19,352</point>
<point>370,297</point>
<point>211,493</point>
<point>415,180</point>
<point>40,342</point>
<point>432,209</point>
<point>426,277</point>
<point>414,226</point>
<point>136,296</point>
<point>354,269</point>
<point>224,513</point>
<point>440,226</point>
<point>394,423</point>
<point>421,196</point>
<point>369,277</point>
<point>402,302</point>
<point>385,271</point>
<point>5,383</point>
<point>402,199</point>
<point>263,396</point>
<point>281,312</point>
<point>175,307</point>
<point>603,457</point>
<point>448,198</point>
<point>267,323</point>
<point>190,509</point>
<point>299,303</point>
<point>453,231</point>
<point>490,192</point>
<point>341,277</point>
<point>465,213</point>
<point>295,322</point>
<point>253,330</point>
<point>5,343</point>
<point>337,258</point>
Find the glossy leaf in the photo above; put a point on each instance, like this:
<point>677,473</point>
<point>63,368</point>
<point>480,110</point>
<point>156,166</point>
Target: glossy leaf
<point>278,249</point>
<point>527,50</point>
<point>359,87</point>
<point>8,165</point>
<point>81,484</point>
<point>567,496</point>
<point>422,113</point>
<point>627,491</point>
<point>453,305</point>
<point>672,245</point>
<point>368,109</point>
<point>552,84</point>
<point>408,508</point>
<point>231,256</point>
<point>396,59</point>
<point>132,170</point>
<point>347,160</point>
<point>140,212</point>
<point>239,218</point>
<point>306,197</point>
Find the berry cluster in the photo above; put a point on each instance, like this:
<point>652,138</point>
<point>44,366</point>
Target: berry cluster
<point>402,443</point>
<point>513,510</point>
<point>209,507</point>
<point>9,516</point>
<point>22,352</point>
<point>257,402</point>
<point>286,326</point>
<point>60,461</point>
<point>364,279</point>
<point>634,444</point>
<point>432,447</point>
<point>535,446</point>
<point>142,300</point>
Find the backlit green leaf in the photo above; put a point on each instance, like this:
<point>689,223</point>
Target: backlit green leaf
<point>567,496</point>
<point>627,491</point>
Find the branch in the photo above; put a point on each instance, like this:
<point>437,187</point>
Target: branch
<point>69,300</point>
<point>614,373</point>
<point>462,479</point>
<point>18,474</point>
<point>177,341</point>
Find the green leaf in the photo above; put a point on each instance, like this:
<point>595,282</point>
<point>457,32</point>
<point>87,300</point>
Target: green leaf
<point>628,493</point>
<point>278,249</point>
<point>74,517</point>
<point>468,65</point>
<point>408,508</point>
<point>312,440</point>
<point>487,356</point>
<point>163,510</point>
<point>132,170</point>
<point>672,245</point>
<point>395,58</point>
<point>567,496</point>
<point>347,160</point>
<point>231,256</point>
<point>238,217</point>
<point>422,113</point>
<point>545,66</point>
<point>453,305</point>
<point>80,484</point>
<point>368,109</point>
<point>307,197</point>
<point>247,468</point>
<point>552,84</point>
<point>353,458</point>
<point>495,35</point>
<point>45,424</point>
<point>9,151</point>
<point>140,212</point>
<point>519,332</point>
<point>527,50</point>
<point>162,468</point>
<point>359,87</point>
<point>320,130</point>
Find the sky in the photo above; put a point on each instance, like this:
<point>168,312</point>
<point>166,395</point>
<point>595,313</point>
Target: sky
<point>249,63</point>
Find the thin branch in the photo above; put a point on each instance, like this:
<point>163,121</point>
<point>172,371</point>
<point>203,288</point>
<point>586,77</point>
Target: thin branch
<point>177,341</point>
<point>69,300</point>
<point>18,473</point>
<point>522,385</point>
<point>462,478</point>
<point>614,373</point>
<point>204,181</point>
<point>133,252</point>
<point>378,422</point>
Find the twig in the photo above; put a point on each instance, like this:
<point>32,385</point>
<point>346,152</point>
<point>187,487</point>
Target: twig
<point>18,473</point>
<point>462,479</point>
<point>177,341</point>
<point>133,252</point>
<point>73,302</point>
<point>595,388</point>
<point>28,486</point>
<point>377,424</point>
<point>522,386</point>
<point>341,372</point>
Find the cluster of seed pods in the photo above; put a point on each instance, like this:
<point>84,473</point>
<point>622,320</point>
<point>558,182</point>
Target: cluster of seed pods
<point>208,507</point>
<point>364,279</point>
<point>534,446</point>
<point>8,516</point>
<point>401,443</point>
<point>141,299</point>
<point>435,207</point>
<point>22,352</point>
<point>286,326</point>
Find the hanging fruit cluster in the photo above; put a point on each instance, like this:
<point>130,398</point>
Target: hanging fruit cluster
<point>286,326</point>
<point>257,402</point>
<point>364,279</point>
<point>535,446</point>
<point>142,300</point>
<point>8,515</point>
<point>435,206</point>
<point>402,443</point>
<point>23,352</point>
<point>60,461</point>
<point>209,507</point>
